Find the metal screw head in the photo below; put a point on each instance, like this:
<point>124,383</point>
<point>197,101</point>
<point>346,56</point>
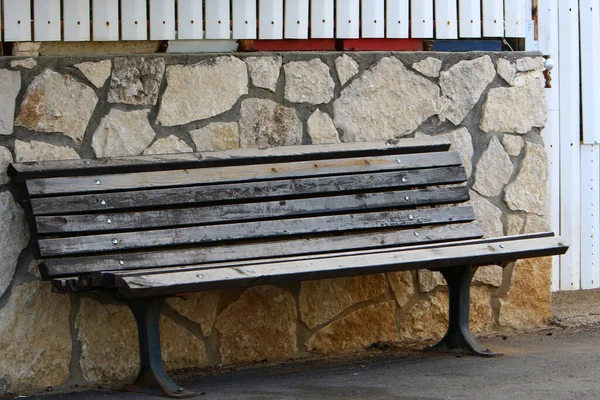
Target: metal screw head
<point>179,390</point>
<point>417,234</point>
<point>115,241</point>
<point>404,180</point>
<point>109,221</point>
<point>411,217</point>
<point>501,246</point>
<point>406,198</point>
<point>103,202</point>
<point>121,262</point>
<point>86,162</point>
<point>198,276</point>
<point>98,182</point>
<point>398,161</point>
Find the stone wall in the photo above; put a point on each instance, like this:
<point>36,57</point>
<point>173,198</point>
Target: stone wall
<point>491,106</point>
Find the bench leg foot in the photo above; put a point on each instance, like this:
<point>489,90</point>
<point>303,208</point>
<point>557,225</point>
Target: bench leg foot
<point>152,378</point>
<point>459,336</point>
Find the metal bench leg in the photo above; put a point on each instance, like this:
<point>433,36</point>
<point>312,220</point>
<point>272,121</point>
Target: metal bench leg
<point>152,377</point>
<point>459,336</point>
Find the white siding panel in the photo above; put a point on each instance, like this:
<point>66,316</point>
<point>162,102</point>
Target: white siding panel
<point>17,21</point>
<point>347,19</point>
<point>493,18</point>
<point>162,19</point>
<point>548,44</point>
<point>446,19</point>
<point>373,18</point>
<point>590,216</point>
<point>590,61</point>
<point>46,14</point>
<point>270,19</point>
<point>134,25</point>
<point>190,15</point>
<point>322,19</point>
<point>296,19</point>
<point>570,216</point>
<point>398,18</point>
<point>244,19</point>
<point>422,18</point>
<point>470,18</point>
<point>76,20</point>
<point>217,19</point>
<point>515,12</point>
<point>105,14</point>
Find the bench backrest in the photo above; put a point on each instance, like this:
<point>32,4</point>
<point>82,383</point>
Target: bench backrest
<point>159,211</point>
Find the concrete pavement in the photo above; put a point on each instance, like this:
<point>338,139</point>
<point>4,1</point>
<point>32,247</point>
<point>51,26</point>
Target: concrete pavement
<point>561,362</point>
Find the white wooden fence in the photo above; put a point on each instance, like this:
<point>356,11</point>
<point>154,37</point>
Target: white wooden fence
<point>572,136</point>
<point>85,20</point>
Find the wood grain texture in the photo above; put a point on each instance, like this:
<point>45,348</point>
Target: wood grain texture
<point>223,193</point>
<point>45,169</point>
<point>273,171</point>
<point>439,257</point>
<point>66,266</point>
<point>195,216</point>
<point>258,229</point>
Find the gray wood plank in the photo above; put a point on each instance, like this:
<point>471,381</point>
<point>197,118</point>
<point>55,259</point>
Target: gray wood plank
<point>28,170</point>
<point>259,229</point>
<point>193,216</point>
<point>172,178</point>
<point>62,267</point>
<point>287,259</point>
<point>439,257</point>
<point>246,191</point>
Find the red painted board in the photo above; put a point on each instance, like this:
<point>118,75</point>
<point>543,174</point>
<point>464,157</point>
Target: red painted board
<point>288,45</point>
<point>381,44</point>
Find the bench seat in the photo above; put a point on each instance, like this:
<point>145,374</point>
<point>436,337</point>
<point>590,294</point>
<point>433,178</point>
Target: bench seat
<point>150,227</point>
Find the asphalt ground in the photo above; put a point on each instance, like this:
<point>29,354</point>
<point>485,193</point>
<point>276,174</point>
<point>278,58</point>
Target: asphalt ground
<point>556,363</point>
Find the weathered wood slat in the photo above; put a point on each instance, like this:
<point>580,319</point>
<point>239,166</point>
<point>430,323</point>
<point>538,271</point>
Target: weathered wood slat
<point>129,181</point>
<point>259,229</point>
<point>61,267</point>
<point>193,216</point>
<point>28,170</point>
<point>246,191</point>
<point>108,275</point>
<point>439,257</point>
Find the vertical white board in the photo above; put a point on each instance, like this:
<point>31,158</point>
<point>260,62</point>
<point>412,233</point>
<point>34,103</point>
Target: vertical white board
<point>590,60</point>
<point>446,19</point>
<point>270,19</point>
<point>162,19</point>
<point>321,19</point>
<point>469,18</point>
<point>493,18</point>
<point>397,18</point>
<point>17,21</point>
<point>244,19</point>
<point>421,15</point>
<point>217,19</point>
<point>133,20</point>
<point>515,16</point>
<point>373,18</point>
<point>296,19</point>
<point>347,19</point>
<point>590,216</point>
<point>570,204</point>
<point>46,17</point>
<point>548,44</point>
<point>105,15</point>
<point>76,20</point>
<point>190,14</point>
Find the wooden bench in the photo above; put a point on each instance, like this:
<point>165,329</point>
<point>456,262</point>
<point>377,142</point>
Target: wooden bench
<point>149,227</point>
